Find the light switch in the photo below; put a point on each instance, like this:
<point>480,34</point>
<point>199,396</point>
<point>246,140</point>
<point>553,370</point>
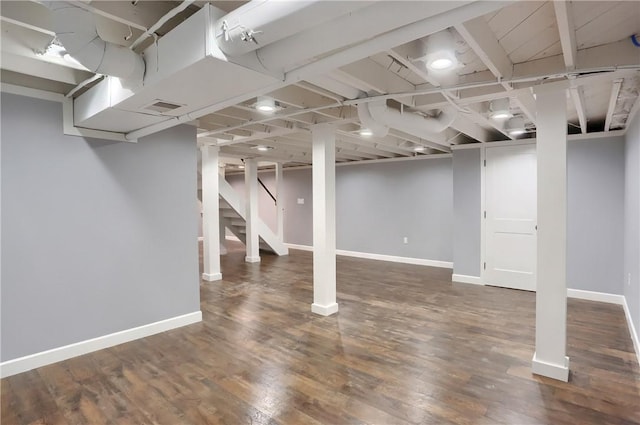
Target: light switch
<point>300,201</point>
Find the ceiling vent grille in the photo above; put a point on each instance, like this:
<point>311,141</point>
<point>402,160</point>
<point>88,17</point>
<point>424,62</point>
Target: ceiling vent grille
<point>161,107</point>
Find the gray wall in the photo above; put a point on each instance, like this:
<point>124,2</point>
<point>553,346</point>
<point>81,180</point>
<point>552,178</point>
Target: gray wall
<point>466,212</point>
<point>631,273</point>
<point>377,205</point>
<point>595,210</point>
<point>97,236</point>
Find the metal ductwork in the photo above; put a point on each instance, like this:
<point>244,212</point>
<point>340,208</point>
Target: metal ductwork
<point>378,129</point>
<point>378,117</point>
<point>75,28</point>
<point>262,22</point>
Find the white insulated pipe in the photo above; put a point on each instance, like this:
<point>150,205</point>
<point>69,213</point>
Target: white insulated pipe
<point>409,122</point>
<point>377,128</point>
<point>75,28</point>
<point>262,22</point>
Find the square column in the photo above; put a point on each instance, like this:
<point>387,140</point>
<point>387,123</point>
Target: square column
<point>223,228</point>
<point>210,214</point>
<point>551,273</point>
<point>324,219</point>
<point>280,201</point>
<point>251,214</point>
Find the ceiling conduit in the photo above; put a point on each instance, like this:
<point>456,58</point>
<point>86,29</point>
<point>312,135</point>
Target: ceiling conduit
<point>75,28</point>
<point>262,22</point>
<point>378,129</point>
<point>410,123</point>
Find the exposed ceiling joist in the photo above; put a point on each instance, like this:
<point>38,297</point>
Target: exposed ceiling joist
<point>615,90</point>
<point>566,28</point>
<point>578,101</point>
<point>406,54</point>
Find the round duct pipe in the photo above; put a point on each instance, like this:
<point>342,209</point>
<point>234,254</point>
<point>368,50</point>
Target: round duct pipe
<point>378,129</point>
<point>408,122</point>
<point>75,28</point>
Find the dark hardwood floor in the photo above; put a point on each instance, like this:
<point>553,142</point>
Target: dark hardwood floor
<point>407,347</point>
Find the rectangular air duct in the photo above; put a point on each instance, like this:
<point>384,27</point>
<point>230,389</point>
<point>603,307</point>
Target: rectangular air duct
<point>185,68</point>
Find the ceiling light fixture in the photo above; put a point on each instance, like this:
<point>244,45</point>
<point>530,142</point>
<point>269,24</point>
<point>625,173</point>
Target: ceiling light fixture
<point>419,149</point>
<point>265,104</point>
<point>240,167</point>
<point>440,52</point>
<point>499,109</point>
<point>365,132</point>
<point>515,126</point>
<point>263,148</point>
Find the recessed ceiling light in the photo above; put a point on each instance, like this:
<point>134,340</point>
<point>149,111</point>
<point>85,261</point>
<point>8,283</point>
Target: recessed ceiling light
<point>515,126</point>
<point>440,54</point>
<point>440,64</point>
<point>419,149</point>
<point>365,132</point>
<point>265,104</point>
<point>240,167</point>
<point>500,109</point>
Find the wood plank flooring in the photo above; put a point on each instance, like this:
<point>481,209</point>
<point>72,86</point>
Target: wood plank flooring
<point>407,347</point>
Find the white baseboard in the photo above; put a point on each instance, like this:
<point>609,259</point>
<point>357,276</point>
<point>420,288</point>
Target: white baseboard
<point>380,257</point>
<point>551,370</point>
<point>462,278</point>
<point>250,259</point>
<point>324,310</point>
<point>595,296</point>
<point>300,247</point>
<point>632,329</point>
<point>32,361</point>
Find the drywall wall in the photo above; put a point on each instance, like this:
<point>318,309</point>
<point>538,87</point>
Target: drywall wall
<point>466,212</point>
<point>595,211</point>
<point>97,236</point>
<point>377,205</point>
<point>631,275</point>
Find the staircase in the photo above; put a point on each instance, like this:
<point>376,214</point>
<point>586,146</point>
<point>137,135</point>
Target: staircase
<point>232,214</point>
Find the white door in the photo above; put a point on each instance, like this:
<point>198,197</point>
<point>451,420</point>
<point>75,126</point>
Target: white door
<point>510,223</point>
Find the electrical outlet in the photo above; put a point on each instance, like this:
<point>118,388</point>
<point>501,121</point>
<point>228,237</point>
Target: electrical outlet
<point>300,201</point>
<point>628,279</point>
<point>406,240</point>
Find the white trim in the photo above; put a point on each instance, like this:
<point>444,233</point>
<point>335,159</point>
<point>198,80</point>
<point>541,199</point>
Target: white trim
<point>252,259</point>
<point>595,296</point>
<point>232,238</point>
<point>551,370</point>
<point>632,329</point>
<point>32,361</point>
<point>299,247</point>
<point>380,257</point>
<point>461,278</point>
<point>324,310</point>
<point>394,259</point>
<point>211,277</point>
<point>200,238</point>
<point>29,92</point>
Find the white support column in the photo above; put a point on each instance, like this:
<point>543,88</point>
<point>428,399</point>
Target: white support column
<point>251,201</point>
<point>280,200</point>
<point>223,229</point>
<point>210,214</point>
<point>551,273</point>
<point>324,219</point>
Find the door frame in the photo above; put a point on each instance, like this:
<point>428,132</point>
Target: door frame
<point>483,200</point>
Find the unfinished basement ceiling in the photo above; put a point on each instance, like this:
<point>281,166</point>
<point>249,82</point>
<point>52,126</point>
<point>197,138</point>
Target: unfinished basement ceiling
<point>501,55</point>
